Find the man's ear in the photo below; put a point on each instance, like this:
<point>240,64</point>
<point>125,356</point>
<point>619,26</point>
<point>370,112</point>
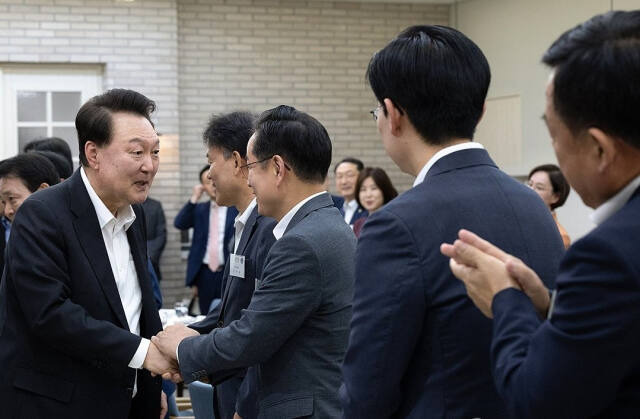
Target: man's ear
<point>91,153</point>
<point>279,169</point>
<point>238,162</point>
<point>395,117</point>
<point>605,148</point>
<point>43,185</point>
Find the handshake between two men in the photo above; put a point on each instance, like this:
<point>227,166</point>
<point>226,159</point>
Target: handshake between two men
<point>161,357</point>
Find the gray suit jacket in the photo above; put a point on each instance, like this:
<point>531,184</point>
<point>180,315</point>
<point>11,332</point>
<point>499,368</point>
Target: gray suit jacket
<point>297,324</point>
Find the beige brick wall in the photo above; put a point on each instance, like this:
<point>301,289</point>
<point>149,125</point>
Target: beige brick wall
<point>256,54</point>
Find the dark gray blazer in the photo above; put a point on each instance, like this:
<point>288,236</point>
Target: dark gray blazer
<point>297,324</point>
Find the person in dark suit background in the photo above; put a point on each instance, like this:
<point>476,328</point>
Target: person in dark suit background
<point>584,359</point>
<point>346,173</point>
<point>410,313</point>
<point>77,307</point>
<point>207,256</point>
<point>226,138</point>
<point>59,147</point>
<point>296,326</point>
<point>20,176</point>
<point>156,232</point>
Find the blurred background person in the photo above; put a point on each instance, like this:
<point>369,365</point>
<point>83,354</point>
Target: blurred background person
<point>64,169</point>
<point>346,175</point>
<point>5,229</point>
<point>373,190</point>
<point>212,234</point>
<point>156,232</point>
<point>22,175</point>
<point>53,144</point>
<point>549,182</point>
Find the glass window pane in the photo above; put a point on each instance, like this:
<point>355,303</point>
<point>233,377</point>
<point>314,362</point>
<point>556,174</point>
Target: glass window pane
<point>27,134</point>
<point>32,106</point>
<point>65,105</point>
<point>70,135</point>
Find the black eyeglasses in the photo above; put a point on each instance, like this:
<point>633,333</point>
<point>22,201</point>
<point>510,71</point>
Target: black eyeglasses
<point>246,166</point>
<point>374,112</point>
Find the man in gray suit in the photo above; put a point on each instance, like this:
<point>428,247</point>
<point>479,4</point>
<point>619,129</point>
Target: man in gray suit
<point>297,324</point>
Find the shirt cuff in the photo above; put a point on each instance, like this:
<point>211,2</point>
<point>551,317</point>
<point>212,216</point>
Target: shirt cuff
<point>140,355</point>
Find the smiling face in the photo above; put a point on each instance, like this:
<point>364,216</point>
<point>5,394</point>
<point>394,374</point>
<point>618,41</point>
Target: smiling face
<point>540,182</point>
<point>126,166</point>
<point>370,196</point>
<point>13,192</point>
<point>346,179</point>
<point>262,180</point>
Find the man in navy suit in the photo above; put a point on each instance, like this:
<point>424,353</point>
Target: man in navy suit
<point>417,342</point>
<point>584,359</point>
<point>346,174</point>
<point>226,139</point>
<point>210,242</point>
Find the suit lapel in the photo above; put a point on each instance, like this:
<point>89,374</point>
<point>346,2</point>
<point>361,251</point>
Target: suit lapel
<point>89,234</point>
<point>135,239</point>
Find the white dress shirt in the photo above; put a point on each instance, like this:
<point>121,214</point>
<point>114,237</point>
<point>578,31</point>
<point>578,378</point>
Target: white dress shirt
<point>349,209</point>
<point>222,223</point>
<point>615,203</point>
<point>282,225</point>
<point>440,154</point>
<point>114,234</point>
<point>240,222</point>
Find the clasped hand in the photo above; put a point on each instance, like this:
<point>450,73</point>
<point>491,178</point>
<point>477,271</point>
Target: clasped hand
<point>161,357</point>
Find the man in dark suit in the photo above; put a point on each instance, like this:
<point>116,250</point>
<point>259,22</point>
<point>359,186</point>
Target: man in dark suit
<point>410,314</point>
<point>20,176</point>
<point>296,326</point>
<point>156,232</point>
<point>210,242</point>
<point>584,359</point>
<point>76,304</point>
<point>346,174</point>
<point>226,139</point>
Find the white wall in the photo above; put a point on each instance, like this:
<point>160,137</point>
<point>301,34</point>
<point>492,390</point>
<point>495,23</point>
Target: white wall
<point>514,34</point>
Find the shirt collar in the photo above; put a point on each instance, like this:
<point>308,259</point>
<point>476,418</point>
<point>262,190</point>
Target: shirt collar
<point>616,202</point>
<point>282,225</point>
<point>440,154</point>
<point>353,204</point>
<point>244,217</point>
<point>126,215</point>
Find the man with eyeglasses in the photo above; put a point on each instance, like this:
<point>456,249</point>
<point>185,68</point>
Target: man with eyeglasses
<point>226,138</point>
<point>297,324</point>
<point>417,343</point>
<point>346,174</point>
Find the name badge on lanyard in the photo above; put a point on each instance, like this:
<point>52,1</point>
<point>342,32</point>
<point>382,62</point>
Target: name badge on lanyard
<point>237,266</point>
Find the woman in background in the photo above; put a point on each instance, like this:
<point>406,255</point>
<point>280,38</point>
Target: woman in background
<point>373,190</point>
<point>549,182</point>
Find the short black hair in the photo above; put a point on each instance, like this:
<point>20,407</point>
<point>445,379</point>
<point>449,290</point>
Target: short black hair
<point>382,181</point>
<point>230,132</point>
<point>55,144</point>
<point>352,160</point>
<point>438,76</point>
<point>32,169</point>
<point>558,182</point>
<point>204,169</point>
<point>94,120</point>
<point>597,75</point>
<point>60,163</point>
<point>301,141</point>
